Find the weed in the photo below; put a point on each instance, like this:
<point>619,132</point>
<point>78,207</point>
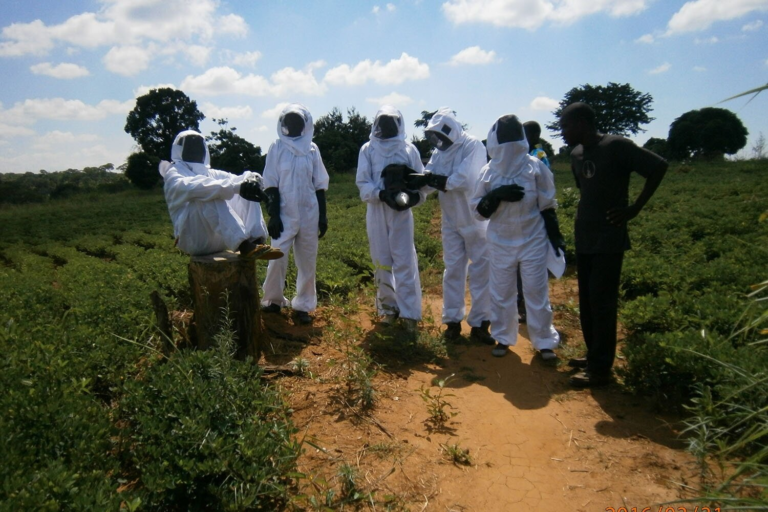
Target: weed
<point>359,379</point>
<point>437,405</point>
<point>456,454</point>
<point>300,365</point>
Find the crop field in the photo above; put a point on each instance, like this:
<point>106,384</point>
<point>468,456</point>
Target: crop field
<point>94,419</point>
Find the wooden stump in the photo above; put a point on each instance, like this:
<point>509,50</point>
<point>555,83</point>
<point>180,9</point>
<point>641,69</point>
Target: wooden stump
<point>224,280</point>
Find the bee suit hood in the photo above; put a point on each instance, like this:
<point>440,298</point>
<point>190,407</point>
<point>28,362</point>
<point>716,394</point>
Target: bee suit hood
<point>298,138</point>
<point>383,142</point>
<point>508,147</point>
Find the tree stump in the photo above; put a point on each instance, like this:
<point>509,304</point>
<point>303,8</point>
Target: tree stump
<point>220,282</point>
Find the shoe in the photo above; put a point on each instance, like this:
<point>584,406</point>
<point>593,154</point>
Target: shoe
<point>267,252</point>
<point>499,350</point>
<point>302,318</point>
<point>481,334</point>
<point>578,362</point>
<point>586,379</point>
<point>452,331</point>
<point>410,324</point>
<point>548,354</point>
<point>388,319</point>
<point>272,308</point>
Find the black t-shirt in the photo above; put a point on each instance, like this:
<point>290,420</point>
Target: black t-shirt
<point>602,174</point>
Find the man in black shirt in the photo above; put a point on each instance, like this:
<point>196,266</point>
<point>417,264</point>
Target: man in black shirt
<point>602,165</point>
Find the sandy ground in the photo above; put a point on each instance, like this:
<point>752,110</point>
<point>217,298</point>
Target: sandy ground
<point>532,442</point>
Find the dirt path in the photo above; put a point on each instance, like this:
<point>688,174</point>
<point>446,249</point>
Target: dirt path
<point>534,443</point>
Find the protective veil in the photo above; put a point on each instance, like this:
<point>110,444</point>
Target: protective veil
<point>207,211</point>
<point>517,235</point>
<point>390,232</point>
<point>464,246</point>
<point>295,168</point>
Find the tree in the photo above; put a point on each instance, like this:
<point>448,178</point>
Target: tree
<point>141,170</point>
<point>658,146</point>
<point>158,117</point>
<point>619,109</point>
<point>340,141</point>
<point>708,133</point>
<point>232,153</point>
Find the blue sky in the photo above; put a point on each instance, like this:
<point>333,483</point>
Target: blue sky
<point>72,69</point>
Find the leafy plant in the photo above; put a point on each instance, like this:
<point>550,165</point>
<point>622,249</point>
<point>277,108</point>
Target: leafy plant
<point>437,405</point>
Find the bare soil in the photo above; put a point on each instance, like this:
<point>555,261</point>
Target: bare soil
<point>522,439</point>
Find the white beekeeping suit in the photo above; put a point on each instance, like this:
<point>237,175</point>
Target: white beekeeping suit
<point>460,158</point>
<point>517,234</point>
<point>390,232</point>
<point>294,173</point>
<point>207,211</point>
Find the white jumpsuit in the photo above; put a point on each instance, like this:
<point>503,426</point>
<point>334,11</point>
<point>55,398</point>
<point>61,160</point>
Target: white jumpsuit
<point>295,168</point>
<point>464,245</point>
<point>390,233</point>
<point>206,209</point>
<point>516,235</point>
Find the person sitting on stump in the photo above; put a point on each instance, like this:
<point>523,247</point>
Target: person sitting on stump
<point>213,210</point>
<point>295,180</point>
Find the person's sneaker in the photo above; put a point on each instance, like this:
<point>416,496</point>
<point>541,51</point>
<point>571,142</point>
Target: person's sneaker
<point>410,324</point>
<point>272,308</point>
<point>586,379</point>
<point>302,317</point>
<point>267,252</point>
<point>578,362</point>
<point>499,350</point>
<point>548,354</point>
<point>452,331</point>
<point>481,334</point>
<point>388,319</point>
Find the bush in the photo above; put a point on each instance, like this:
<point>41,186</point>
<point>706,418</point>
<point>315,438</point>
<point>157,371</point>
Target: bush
<point>142,171</point>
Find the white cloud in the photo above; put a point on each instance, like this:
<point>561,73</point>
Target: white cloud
<point>473,55</point>
<point>247,59</point>
<point>394,72</point>
<point>393,98</point>
<point>699,69</point>
<point>64,70</point>
<point>126,23</point>
<point>127,60</point>
<point>544,103</point>
<point>225,80</point>
<point>7,131</point>
<point>699,15</point>
<point>31,110</point>
<point>645,39</point>
<point>391,7</point>
<point>752,26</point>
<point>58,138</point>
<point>197,54</point>
<point>706,40</point>
<point>531,14</point>
<point>376,9</point>
<point>144,89</point>
<point>274,112</point>
<point>238,112</point>
<point>661,69</point>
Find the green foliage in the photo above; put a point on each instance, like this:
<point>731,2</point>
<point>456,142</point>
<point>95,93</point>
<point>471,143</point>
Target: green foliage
<point>232,153</point>
<point>158,117</point>
<point>658,146</point>
<point>437,404</point>
<point>707,133</point>
<point>340,141</point>
<point>202,432</point>
<point>619,109</point>
<point>41,187</point>
<point>142,170</point>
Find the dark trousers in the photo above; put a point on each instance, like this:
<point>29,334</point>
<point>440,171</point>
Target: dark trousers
<point>598,276</point>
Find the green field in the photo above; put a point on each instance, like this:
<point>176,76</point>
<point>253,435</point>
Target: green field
<point>93,418</point>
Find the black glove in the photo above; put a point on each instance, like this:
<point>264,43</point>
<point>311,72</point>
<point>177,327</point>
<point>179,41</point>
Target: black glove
<point>416,181</point>
<point>413,198</point>
<point>437,181</point>
<point>251,190</point>
<point>322,222</point>
<point>511,193</point>
<point>275,225</point>
<point>389,198</point>
<point>553,230</point>
<point>488,205</point>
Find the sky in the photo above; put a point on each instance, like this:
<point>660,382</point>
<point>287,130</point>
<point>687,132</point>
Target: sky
<point>72,70</point>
